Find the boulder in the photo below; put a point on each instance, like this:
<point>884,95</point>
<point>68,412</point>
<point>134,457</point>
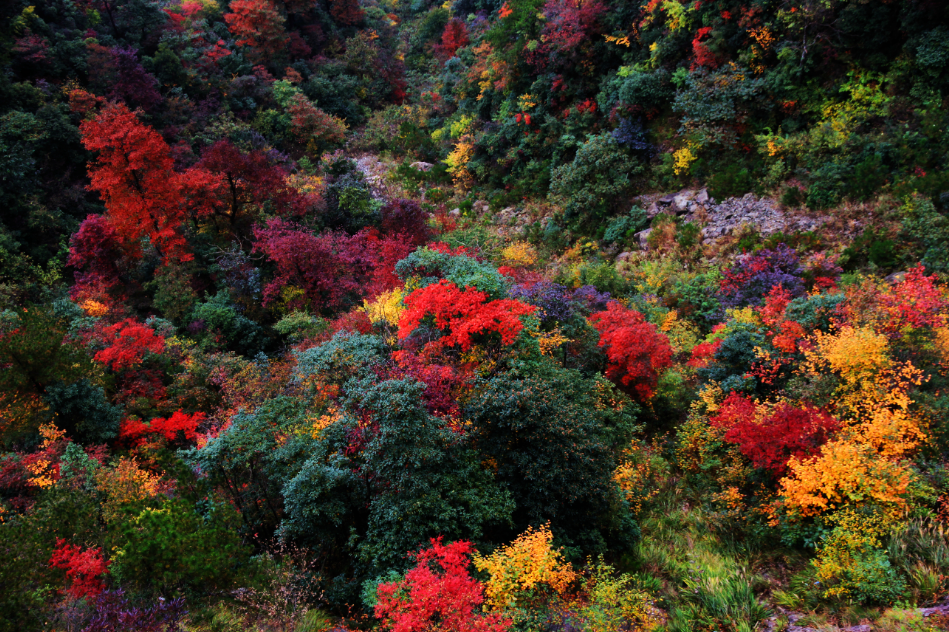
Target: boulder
<point>642,237</point>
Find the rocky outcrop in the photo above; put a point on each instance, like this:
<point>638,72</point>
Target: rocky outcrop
<point>722,219</point>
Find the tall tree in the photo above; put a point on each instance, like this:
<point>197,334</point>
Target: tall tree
<point>144,196</point>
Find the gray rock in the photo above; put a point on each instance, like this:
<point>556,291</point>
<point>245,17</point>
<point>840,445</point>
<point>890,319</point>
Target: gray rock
<point>702,196</point>
<point>623,256</point>
<point>455,212</point>
<point>681,200</point>
<point>421,166</point>
<point>896,277</point>
<point>643,238</point>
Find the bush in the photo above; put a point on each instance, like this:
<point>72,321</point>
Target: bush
<point>622,228</point>
<point>851,563</point>
<point>174,546</point>
<point>596,182</point>
<point>928,230</point>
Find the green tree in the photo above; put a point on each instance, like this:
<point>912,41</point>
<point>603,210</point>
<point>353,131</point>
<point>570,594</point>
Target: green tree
<point>597,183</point>
<point>555,438</point>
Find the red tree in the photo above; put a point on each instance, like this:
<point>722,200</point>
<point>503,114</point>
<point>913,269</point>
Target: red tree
<point>248,180</point>
<point>143,195</point>
<point>437,594</point>
<point>454,36</point>
<point>134,176</point>
<point>637,353</point>
<point>128,342</point>
<point>258,25</point>
<point>327,268</point>
<point>568,25</point>
<point>770,438</point>
<point>464,317</point>
<point>347,12</point>
<point>83,568</point>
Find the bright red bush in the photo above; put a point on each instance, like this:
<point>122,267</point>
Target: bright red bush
<point>914,302</point>
<point>455,36</point>
<point>637,352</point>
<point>703,353</point>
<point>133,432</point>
<point>462,315</point>
<point>128,342</point>
<point>770,438</point>
<point>83,568</point>
<point>438,594</point>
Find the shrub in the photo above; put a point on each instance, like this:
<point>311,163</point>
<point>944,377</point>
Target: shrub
<point>437,593</point>
<point>523,570</point>
<point>83,568</point>
<point>463,317</point>
<point>615,602</point>
<point>596,182</point>
<point>928,230</point>
<point>754,276</point>
<point>851,563</point>
<point>636,351</point>
<point>544,428</point>
<point>770,437</point>
<point>624,227</point>
<point>174,546</point>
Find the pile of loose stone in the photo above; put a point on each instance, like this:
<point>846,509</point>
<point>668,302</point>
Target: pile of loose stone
<point>722,219</point>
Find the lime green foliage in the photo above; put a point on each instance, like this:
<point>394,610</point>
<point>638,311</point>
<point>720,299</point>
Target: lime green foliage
<point>177,545</point>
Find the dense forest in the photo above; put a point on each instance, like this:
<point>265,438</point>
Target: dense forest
<point>483,316</point>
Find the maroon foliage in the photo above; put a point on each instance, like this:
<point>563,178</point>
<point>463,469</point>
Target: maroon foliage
<point>408,218</point>
<point>250,181</point>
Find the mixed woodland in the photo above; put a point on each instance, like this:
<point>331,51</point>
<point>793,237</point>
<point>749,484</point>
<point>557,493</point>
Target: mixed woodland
<point>372,315</point>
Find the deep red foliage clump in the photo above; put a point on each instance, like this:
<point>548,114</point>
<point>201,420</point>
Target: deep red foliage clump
<point>347,12</point>
<point>769,440</point>
<point>144,196</point>
<point>133,431</point>
<point>258,25</point>
<point>637,352</point>
<point>455,36</point>
<point>332,269</point>
<point>249,179</point>
<point>463,316</point>
<point>94,251</point>
<point>438,593</point>
<point>128,342</point>
<point>83,568</point>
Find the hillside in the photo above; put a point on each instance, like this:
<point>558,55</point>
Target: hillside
<point>560,315</point>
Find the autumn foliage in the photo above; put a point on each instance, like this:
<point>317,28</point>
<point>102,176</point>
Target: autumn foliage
<point>438,593</point>
<point>258,25</point>
<point>769,437</point>
<point>144,196</point>
<point>128,342</point>
<point>462,317</point>
<point>636,351</point>
<point>84,568</point>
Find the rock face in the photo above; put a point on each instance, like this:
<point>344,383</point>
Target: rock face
<point>721,219</point>
<point>421,166</point>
